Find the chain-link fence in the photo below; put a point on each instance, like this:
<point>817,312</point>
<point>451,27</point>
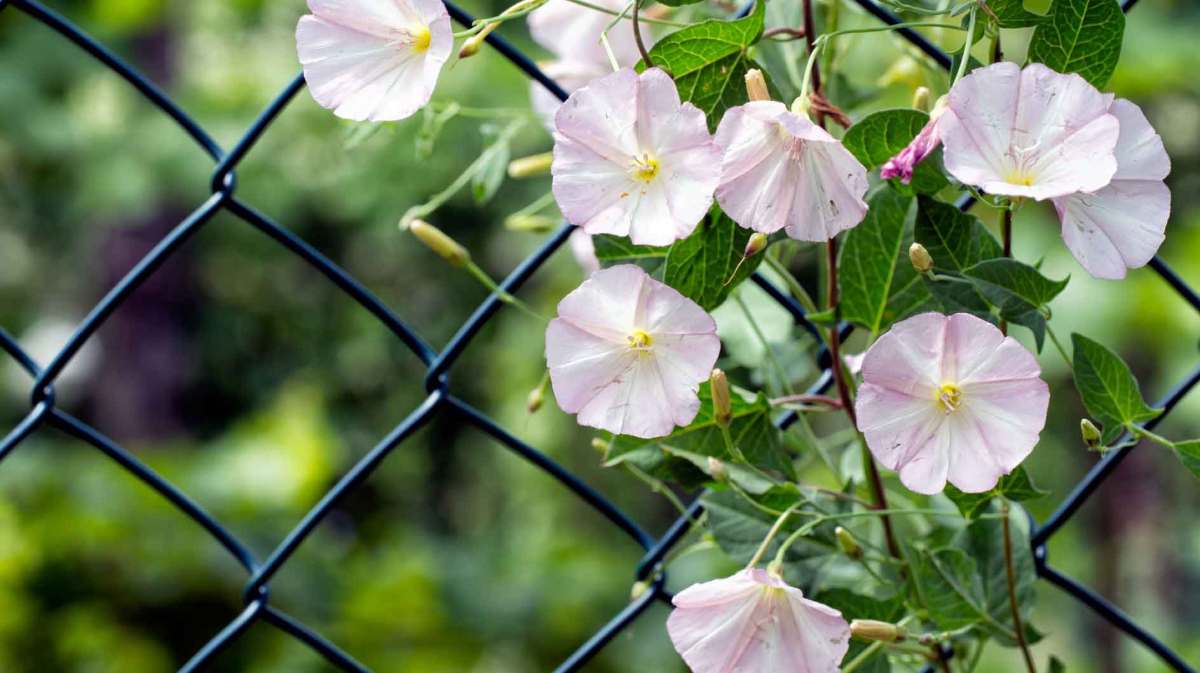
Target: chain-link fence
<point>439,363</point>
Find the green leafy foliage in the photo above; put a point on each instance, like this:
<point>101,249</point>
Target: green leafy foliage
<point>709,61</point>
<point>1017,291</point>
<point>881,135</point>
<point>956,240</point>
<point>739,527</point>
<point>752,431</point>
<point>1056,666</point>
<point>1082,36</point>
<point>1189,455</point>
<point>1012,14</point>
<point>1109,391</point>
<point>966,584</point>
<point>871,259</point>
<point>700,266</point>
<point>1016,486</point>
<point>493,164</point>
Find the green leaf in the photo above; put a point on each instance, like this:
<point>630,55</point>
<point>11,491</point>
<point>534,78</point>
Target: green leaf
<point>1109,391</point>
<point>881,135</point>
<point>1016,486</point>
<point>709,61</point>
<point>1082,36</point>
<point>948,584</point>
<point>1012,14</point>
<point>611,250</point>
<point>752,429</point>
<point>1017,291</point>
<point>739,527</point>
<point>702,265</point>
<point>1189,455</point>
<point>983,540</point>
<point>747,479</point>
<point>871,256</point>
<point>1057,666</point>
<point>956,240</point>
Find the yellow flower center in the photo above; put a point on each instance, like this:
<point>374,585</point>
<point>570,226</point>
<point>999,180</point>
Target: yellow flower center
<point>948,396</point>
<point>1019,177</point>
<point>421,37</point>
<point>646,168</point>
<point>640,341</point>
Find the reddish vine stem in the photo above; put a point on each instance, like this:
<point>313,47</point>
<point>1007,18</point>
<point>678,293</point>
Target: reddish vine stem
<point>1018,627</point>
<point>637,36</point>
<point>878,495</point>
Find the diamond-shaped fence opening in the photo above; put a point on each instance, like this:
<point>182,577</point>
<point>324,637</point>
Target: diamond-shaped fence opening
<point>439,366</point>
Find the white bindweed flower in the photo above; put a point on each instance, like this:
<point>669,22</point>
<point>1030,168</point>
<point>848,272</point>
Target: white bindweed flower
<point>754,622</point>
<point>628,353</point>
<point>630,159</point>
<point>1028,132</point>
<point>1121,225</point>
<point>782,171</point>
<point>373,60</point>
<point>950,398</point>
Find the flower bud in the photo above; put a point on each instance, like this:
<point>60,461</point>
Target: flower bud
<point>756,244</point>
<point>535,399</point>
<point>870,629</point>
<point>921,99</point>
<point>531,166</point>
<point>639,589</point>
<point>600,445</point>
<point>719,386</point>
<point>471,45</point>
<point>717,469</point>
<point>848,544</point>
<point>439,242</point>
<point>920,258</point>
<point>756,85</point>
<point>534,223</point>
<point>1090,434</point>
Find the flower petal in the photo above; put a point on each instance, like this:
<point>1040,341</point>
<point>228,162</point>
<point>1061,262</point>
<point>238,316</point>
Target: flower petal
<point>572,32</point>
<point>907,358</point>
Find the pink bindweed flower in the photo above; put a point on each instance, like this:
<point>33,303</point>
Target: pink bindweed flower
<point>1028,133</point>
<point>583,249</point>
<point>631,160</point>
<point>373,60</point>
<point>950,398</point>
<point>781,170</point>
<point>753,622</point>
<point>628,353</point>
<point>572,33</point>
<point>1121,226</point>
<point>902,165</point>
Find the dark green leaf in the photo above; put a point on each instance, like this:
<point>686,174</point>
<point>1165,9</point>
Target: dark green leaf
<point>870,258</point>
<point>1017,291</point>
<point>881,135</point>
<point>747,479</point>
<point>709,61</point>
<point>983,540</point>
<point>1109,391</point>
<point>956,240</point>
<point>948,584</point>
<point>739,527</point>
<point>1057,666</point>
<point>1189,455</point>
<point>752,430</point>
<point>1082,36</point>
<point>1012,14</point>
<point>702,265</point>
<point>679,3</point>
<point>1015,486</point>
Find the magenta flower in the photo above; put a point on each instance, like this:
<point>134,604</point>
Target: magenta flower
<point>373,60</point>
<point>902,165</point>
<point>630,159</point>
<point>1121,225</point>
<point>950,398</point>
<point>628,354</point>
<point>753,622</point>
<point>1028,133</point>
<point>781,170</point>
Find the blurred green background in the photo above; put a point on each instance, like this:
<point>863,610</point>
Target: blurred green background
<point>248,380</point>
